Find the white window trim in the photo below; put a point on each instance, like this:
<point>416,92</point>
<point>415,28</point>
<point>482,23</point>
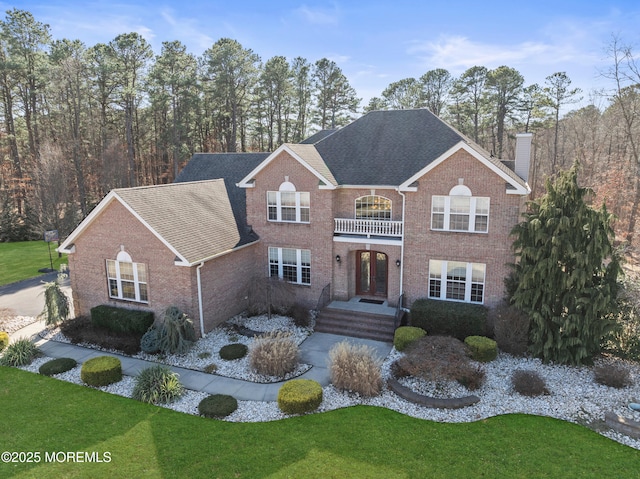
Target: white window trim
<point>118,279</point>
<point>299,266</point>
<point>278,207</point>
<point>467,285</point>
<point>473,200</point>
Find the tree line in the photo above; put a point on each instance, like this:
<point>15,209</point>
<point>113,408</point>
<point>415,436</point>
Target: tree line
<point>78,121</point>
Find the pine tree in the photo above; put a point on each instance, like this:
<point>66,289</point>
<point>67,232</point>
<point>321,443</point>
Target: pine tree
<point>567,272</point>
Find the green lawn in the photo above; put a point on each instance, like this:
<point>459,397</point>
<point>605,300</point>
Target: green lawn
<point>41,414</point>
<point>22,260</point>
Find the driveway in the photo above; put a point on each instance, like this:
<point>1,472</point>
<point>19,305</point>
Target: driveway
<point>26,298</point>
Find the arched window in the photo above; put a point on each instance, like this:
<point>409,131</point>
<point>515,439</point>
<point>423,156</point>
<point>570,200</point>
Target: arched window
<point>288,205</point>
<point>373,207</point>
<point>127,280</point>
<point>460,211</point>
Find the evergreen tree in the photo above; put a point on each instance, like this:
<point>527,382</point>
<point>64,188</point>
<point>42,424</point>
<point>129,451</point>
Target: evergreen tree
<point>567,272</point>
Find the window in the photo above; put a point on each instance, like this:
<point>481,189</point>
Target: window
<point>373,208</point>
<point>127,280</point>
<point>288,205</point>
<point>460,211</point>
<point>292,265</point>
<point>456,281</point>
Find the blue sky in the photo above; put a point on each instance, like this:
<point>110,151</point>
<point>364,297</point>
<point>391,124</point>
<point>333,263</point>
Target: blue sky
<point>374,42</point>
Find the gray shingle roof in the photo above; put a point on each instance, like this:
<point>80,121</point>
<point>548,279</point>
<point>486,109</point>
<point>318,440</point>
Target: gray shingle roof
<point>316,137</point>
<point>232,167</point>
<point>195,218</point>
<point>386,147</point>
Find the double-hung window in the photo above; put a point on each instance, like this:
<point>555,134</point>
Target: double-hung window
<point>289,264</point>
<point>456,281</point>
<point>127,280</point>
<point>460,212</point>
<point>288,205</point>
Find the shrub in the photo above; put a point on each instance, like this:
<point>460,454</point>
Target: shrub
<point>449,318</point>
<point>233,351</point>
<point>121,320</point>
<point>217,406</point>
<point>355,368</point>
<point>528,383</point>
<point>82,330</point>
<point>204,355</point>
<point>397,371</point>
<point>405,335</point>
<point>274,354</point>
<point>482,348</point>
<point>299,396</point>
<point>150,341</point>
<point>301,316</point>
<point>19,353</point>
<point>268,295</point>
<point>470,376</point>
<point>210,368</point>
<point>612,375</point>
<point>434,358</point>
<point>56,303</point>
<point>101,370</point>
<point>510,329</point>
<point>4,340</point>
<point>623,340</point>
<point>175,332</point>
<point>57,366</point>
<point>157,385</point>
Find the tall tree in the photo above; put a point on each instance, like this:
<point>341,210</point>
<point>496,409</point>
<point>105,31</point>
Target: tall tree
<point>402,94</point>
<point>173,94</point>
<point>275,90</point>
<point>130,54</point>
<point>559,94</point>
<point>567,272</point>
<point>336,100</point>
<point>302,96</point>
<point>468,94</point>
<point>231,73</point>
<point>69,90</point>
<point>504,85</point>
<point>436,85</point>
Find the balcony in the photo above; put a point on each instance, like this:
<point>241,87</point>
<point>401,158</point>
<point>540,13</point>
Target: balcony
<point>367,228</point>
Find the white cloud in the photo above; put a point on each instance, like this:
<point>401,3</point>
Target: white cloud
<point>319,16</point>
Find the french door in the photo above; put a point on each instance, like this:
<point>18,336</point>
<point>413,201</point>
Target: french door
<point>371,273</point>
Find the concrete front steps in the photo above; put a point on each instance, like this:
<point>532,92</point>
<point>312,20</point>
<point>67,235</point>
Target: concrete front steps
<point>357,324</point>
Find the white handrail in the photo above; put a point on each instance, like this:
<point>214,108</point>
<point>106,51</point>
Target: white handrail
<point>368,227</point>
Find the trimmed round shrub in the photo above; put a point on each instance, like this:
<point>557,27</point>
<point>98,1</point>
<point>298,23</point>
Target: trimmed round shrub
<point>157,385</point>
<point>528,383</point>
<point>210,368</point>
<point>4,340</point>
<point>20,353</point>
<point>482,349</point>
<point>274,354</point>
<point>233,351</point>
<point>217,406</point>
<point>150,341</point>
<point>355,368</point>
<point>57,366</point>
<point>299,396</point>
<point>101,371</point>
<point>405,335</point>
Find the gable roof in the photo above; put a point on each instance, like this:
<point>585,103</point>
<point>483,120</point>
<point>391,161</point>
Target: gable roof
<point>231,167</point>
<point>193,219</point>
<point>385,148</point>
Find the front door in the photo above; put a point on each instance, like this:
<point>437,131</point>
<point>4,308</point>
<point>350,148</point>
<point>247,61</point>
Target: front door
<point>371,273</point>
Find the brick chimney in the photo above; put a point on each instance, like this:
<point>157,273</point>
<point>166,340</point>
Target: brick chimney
<point>523,155</point>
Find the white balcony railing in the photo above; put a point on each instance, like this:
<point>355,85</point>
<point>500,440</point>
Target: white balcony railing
<point>367,227</point>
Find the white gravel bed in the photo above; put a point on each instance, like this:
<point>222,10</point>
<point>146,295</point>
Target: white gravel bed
<point>574,394</point>
<point>205,351</point>
<point>11,324</point>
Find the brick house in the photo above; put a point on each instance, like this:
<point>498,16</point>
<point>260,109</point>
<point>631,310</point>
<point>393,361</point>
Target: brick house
<point>396,203</point>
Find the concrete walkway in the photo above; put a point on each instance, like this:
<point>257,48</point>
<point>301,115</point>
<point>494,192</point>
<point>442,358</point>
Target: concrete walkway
<point>314,351</point>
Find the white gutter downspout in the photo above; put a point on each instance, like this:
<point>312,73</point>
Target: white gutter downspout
<point>199,281</point>
<point>402,243</point>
